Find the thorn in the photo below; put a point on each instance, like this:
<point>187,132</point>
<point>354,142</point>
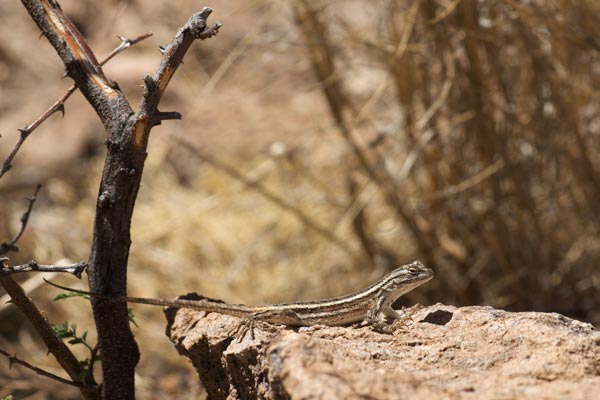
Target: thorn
<point>159,116</point>
<point>125,43</point>
<point>59,107</point>
<point>168,115</point>
<point>115,85</point>
<point>11,361</point>
<point>149,82</point>
<point>24,131</point>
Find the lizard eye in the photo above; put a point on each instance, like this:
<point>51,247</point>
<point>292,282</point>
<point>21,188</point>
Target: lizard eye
<point>413,270</point>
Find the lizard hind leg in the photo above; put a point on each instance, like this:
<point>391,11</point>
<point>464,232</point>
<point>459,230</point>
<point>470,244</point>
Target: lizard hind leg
<point>264,320</point>
<point>246,328</point>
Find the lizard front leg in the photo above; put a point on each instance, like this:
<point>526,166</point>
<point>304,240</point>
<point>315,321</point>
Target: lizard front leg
<point>382,308</point>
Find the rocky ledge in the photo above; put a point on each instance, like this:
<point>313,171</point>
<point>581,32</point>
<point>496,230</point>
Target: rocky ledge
<point>444,353</point>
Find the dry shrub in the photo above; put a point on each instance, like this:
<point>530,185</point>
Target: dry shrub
<point>479,132</point>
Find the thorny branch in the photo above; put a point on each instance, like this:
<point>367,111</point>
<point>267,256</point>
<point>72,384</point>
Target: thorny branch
<point>59,105</point>
<point>13,359</point>
<point>11,246</point>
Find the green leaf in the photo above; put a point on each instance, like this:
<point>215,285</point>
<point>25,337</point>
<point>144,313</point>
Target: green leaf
<point>62,331</point>
<point>65,332</point>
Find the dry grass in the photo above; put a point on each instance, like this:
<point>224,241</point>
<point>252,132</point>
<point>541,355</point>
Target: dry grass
<point>459,133</point>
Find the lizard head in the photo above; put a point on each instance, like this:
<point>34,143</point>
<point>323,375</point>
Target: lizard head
<point>405,278</point>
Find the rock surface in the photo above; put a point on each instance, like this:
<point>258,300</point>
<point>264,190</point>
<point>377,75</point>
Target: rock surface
<point>445,353</point>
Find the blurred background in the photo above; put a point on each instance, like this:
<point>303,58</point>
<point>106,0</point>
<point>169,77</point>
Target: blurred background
<point>327,142</point>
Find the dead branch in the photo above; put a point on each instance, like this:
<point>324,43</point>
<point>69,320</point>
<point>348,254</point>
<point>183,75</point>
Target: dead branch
<point>32,266</point>
<point>13,359</point>
<point>12,245</point>
<point>59,105</point>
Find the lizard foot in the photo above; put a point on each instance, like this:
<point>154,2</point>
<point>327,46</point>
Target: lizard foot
<point>380,323</point>
<point>246,328</point>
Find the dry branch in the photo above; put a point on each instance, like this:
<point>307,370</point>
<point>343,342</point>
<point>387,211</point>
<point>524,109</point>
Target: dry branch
<point>59,105</point>
<point>32,266</point>
<point>13,359</point>
<point>127,136</point>
<point>12,244</point>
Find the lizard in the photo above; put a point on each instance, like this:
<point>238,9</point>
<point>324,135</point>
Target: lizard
<point>371,304</point>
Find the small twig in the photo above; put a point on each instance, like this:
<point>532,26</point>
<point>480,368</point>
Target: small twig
<point>462,186</point>
<point>160,116</point>
<point>210,32</point>
<point>32,266</point>
<point>441,99</point>
<point>11,246</point>
<point>59,105</point>
<point>125,44</point>
<point>445,13</point>
<point>367,107</point>
<point>13,359</point>
<point>93,353</point>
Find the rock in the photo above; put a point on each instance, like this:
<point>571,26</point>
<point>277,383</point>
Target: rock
<point>444,352</point>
